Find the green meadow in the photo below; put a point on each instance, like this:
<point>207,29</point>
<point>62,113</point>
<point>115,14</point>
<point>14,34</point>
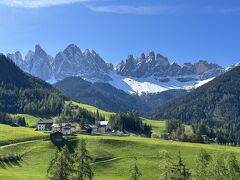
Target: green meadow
<point>9,135</point>
<point>30,119</point>
<point>112,156</point>
<point>93,109</point>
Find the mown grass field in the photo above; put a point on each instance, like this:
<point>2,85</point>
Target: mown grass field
<point>113,157</point>
<point>9,135</point>
<point>93,109</point>
<point>30,119</point>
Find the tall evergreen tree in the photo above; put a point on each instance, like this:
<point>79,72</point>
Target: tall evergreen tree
<point>82,158</point>
<point>233,167</point>
<point>60,167</point>
<point>179,170</point>
<point>166,165</point>
<point>135,172</point>
<point>217,168</point>
<point>202,165</point>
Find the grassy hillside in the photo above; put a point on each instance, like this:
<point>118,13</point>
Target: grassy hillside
<point>113,156</point>
<point>93,109</point>
<point>10,134</point>
<point>30,119</point>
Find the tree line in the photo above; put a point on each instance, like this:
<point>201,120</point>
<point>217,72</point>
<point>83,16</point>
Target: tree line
<point>79,115</point>
<point>8,119</point>
<point>130,122</point>
<point>223,135</point>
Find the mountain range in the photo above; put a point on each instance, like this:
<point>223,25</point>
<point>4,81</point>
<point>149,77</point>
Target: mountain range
<point>152,73</point>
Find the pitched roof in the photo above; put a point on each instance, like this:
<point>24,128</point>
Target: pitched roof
<point>104,123</point>
<point>45,121</point>
<point>65,125</point>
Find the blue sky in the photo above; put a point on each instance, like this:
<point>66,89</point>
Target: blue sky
<point>182,30</point>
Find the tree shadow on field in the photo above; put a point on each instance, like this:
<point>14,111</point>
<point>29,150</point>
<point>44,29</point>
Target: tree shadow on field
<point>10,161</point>
<point>70,143</point>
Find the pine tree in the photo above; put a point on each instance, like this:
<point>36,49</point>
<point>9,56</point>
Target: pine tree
<point>233,167</point>
<point>82,158</point>
<point>60,167</point>
<point>217,168</point>
<point>135,172</point>
<point>179,171</point>
<point>202,163</point>
<point>82,123</point>
<point>166,165</point>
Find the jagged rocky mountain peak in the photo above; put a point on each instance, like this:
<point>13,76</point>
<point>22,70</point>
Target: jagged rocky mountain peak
<point>151,56</point>
<point>87,52</point>
<point>130,57</point>
<point>72,51</point>
<point>142,56</point>
<point>150,72</point>
<point>16,58</point>
<point>39,50</point>
<point>155,64</point>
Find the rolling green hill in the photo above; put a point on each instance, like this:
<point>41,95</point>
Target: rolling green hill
<point>112,156</point>
<point>9,135</point>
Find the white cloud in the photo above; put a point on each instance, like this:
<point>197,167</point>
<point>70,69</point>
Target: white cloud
<point>93,5</point>
<point>38,3</point>
<point>126,9</point>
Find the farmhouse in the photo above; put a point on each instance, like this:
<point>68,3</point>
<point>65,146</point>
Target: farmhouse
<point>104,127</point>
<point>44,125</point>
<point>65,128</point>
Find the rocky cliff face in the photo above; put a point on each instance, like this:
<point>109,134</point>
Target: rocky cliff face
<point>70,62</point>
<point>146,74</point>
<point>159,66</point>
<point>16,58</point>
<point>73,62</point>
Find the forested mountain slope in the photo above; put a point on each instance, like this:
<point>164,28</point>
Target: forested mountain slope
<point>218,100</point>
<point>23,93</point>
<point>107,97</point>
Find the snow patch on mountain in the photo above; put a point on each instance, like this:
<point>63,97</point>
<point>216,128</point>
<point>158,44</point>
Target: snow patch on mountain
<point>153,85</point>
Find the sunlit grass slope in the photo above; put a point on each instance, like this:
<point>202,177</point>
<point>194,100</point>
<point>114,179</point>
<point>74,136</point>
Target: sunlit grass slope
<point>113,157</point>
<point>9,135</point>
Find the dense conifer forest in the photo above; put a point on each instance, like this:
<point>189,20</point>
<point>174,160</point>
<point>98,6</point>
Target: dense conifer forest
<point>23,93</point>
<point>215,104</point>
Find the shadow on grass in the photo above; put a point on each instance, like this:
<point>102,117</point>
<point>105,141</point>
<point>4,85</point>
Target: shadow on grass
<point>71,143</point>
<point>10,161</point>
